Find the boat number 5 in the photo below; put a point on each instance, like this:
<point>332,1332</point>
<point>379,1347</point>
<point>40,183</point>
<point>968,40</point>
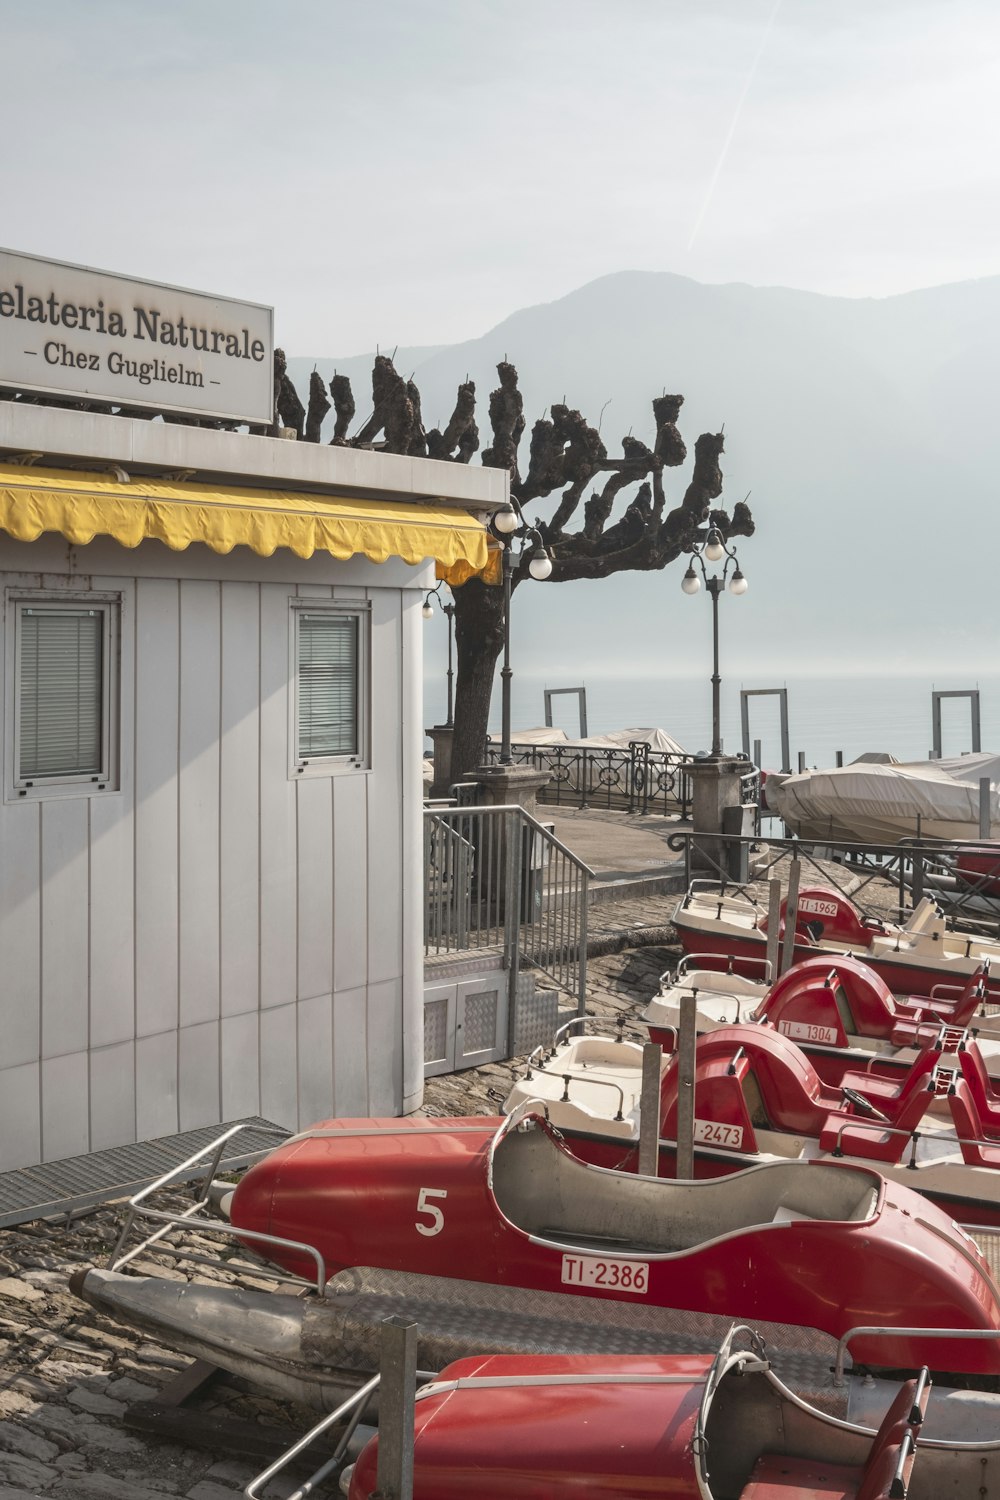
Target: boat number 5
<point>431,1210</point>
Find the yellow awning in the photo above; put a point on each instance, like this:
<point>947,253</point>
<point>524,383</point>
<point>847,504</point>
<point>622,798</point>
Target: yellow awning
<point>82,506</point>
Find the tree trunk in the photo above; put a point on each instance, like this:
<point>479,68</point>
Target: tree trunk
<point>478,643</point>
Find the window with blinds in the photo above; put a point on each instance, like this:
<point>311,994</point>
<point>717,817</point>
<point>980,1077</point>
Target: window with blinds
<point>329,681</point>
<point>64,674</point>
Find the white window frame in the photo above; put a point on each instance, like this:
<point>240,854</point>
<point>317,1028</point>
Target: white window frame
<point>331,765</point>
<point>18,788</point>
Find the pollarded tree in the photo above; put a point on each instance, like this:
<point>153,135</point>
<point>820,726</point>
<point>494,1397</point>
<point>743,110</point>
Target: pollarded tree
<point>566,457</point>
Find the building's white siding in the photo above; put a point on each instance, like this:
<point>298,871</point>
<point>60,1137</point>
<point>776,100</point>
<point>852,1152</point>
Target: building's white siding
<point>217,938</point>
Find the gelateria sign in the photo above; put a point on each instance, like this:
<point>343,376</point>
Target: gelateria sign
<point>88,335</point>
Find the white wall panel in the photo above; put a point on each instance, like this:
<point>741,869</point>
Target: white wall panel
<point>385,1046</point>
<point>240,1066</point>
<point>239,810</point>
<point>315,881</point>
<point>350,1053</point>
<point>156,866</point>
<point>279,1065</point>
<point>112,945</point>
<point>20,1116</point>
<point>278,859</point>
<point>112,1096</point>
<point>351,862</point>
<point>218,938</point>
<point>385,917</point>
<point>198,806</point>
<point>315,1022</point>
<point>156,1085</point>
<point>65,937</point>
<point>198,1095</point>
<point>65,1106</point>
<point>20,933</point>
<point>112,861</point>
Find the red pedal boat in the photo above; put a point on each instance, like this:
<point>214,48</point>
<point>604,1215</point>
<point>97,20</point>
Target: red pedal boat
<point>831,1007</point>
<point>912,958</point>
<point>545,1427</point>
<point>821,1245</point>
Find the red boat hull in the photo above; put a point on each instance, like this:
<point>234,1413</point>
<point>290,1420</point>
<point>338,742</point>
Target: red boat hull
<point>442,1199</point>
<point>562,1431</point>
<point>901,977</point>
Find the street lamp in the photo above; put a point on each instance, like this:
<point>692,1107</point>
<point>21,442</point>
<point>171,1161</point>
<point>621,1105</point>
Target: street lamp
<point>449,612</point>
<point>509,526</point>
<point>714,549</point>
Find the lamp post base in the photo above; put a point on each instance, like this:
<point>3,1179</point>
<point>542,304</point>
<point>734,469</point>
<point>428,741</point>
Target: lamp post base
<point>505,786</point>
<point>717,785</point>
<point>441,737</point>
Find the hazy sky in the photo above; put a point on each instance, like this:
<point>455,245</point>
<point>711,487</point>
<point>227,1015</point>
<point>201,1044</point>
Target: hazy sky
<point>398,172</point>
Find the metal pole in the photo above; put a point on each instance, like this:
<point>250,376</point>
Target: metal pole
<point>985,813</point>
<point>398,1366</point>
<point>649,1111</point>
<point>685,1087</point>
<point>506,758</point>
<point>715,588</point>
<point>773,927</point>
<point>449,610</point>
<point>791,914</point>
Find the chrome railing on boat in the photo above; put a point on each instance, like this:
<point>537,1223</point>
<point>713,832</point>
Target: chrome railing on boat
<point>194,1217</point>
<point>396,1383</point>
<point>889,1331</point>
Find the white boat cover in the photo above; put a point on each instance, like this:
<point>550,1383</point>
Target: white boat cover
<point>882,803</point>
<point>619,739</point>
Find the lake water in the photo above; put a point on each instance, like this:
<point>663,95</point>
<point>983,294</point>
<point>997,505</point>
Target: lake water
<point>825,714</point>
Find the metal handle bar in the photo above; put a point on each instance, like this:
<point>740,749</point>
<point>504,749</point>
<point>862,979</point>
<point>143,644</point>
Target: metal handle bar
<point>928,1333</point>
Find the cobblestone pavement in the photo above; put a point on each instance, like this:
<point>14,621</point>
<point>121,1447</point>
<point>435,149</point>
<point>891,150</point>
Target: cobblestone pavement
<point>68,1374</point>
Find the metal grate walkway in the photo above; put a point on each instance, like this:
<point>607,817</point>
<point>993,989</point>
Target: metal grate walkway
<point>58,1187</point>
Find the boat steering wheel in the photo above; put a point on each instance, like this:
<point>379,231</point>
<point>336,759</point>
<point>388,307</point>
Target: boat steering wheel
<point>864,1106</point>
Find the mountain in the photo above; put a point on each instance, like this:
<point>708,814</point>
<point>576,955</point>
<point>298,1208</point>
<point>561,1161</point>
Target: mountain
<point>863,429</point>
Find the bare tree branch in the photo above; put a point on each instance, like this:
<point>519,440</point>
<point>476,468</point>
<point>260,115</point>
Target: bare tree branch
<point>318,408</point>
<point>343,405</point>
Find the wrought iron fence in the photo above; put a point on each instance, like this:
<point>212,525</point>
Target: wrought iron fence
<point>633,778</point>
<point>497,880</point>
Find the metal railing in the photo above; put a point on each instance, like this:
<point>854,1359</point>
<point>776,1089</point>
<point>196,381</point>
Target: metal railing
<point>632,778</point>
<point>497,880</point>
<point>916,869</point>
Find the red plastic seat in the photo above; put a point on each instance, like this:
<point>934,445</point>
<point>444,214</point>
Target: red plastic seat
<point>977,1151</point>
<point>892,1095</point>
<point>775,1477</point>
<point>970,1060</point>
<point>853,1135</point>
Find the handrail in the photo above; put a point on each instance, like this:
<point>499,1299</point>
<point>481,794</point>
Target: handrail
<point>510,888</point>
<point>885,1331</point>
<point>549,837</point>
<point>568,1078</point>
<point>354,1404</point>
<point>190,1218</point>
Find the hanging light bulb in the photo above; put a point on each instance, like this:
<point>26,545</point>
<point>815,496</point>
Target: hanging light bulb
<point>505,520</point>
<point>690,583</point>
<point>428,609</point>
<point>737,584</point>
<point>713,546</point>
<point>540,565</point>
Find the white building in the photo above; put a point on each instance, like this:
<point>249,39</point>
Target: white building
<point>210,839</point>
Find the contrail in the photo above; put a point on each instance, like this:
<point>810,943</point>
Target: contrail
<point>734,122</point>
